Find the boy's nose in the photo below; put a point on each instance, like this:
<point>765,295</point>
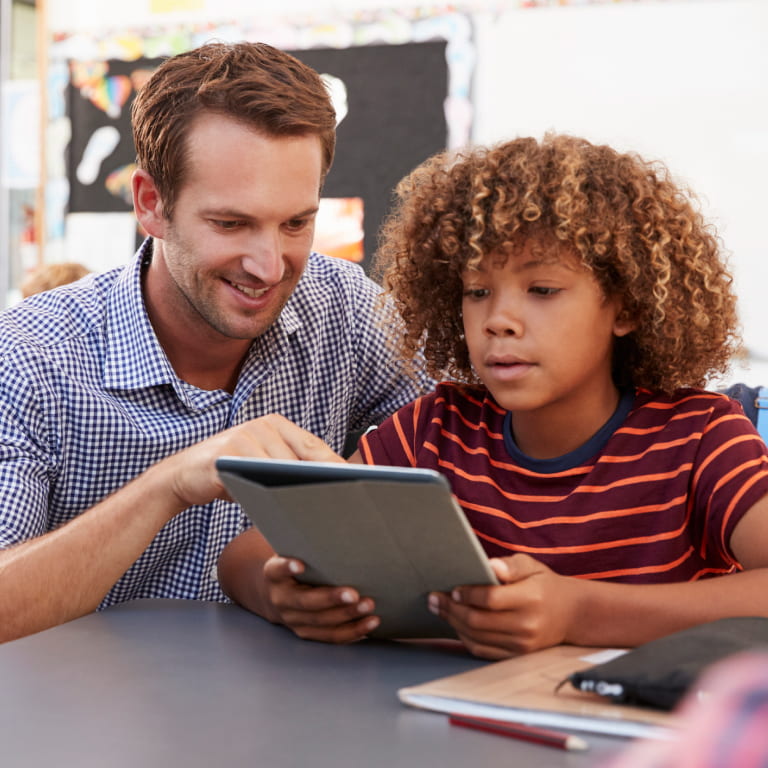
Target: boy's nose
<point>503,322</point>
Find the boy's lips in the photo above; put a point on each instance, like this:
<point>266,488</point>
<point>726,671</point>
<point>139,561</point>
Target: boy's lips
<point>505,360</point>
<point>507,368</point>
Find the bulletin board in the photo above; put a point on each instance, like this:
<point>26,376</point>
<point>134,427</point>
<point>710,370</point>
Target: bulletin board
<point>387,129</point>
<point>406,95</point>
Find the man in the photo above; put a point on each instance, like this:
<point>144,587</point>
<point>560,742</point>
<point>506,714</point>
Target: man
<point>119,392</point>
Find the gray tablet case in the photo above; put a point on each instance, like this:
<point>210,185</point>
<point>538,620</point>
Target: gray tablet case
<point>394,534</point>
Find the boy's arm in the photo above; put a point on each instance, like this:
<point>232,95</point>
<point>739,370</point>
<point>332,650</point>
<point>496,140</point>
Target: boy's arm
<point>535,607</point>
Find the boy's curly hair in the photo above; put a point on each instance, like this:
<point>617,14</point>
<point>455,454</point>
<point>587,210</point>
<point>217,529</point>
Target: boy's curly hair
<point>631,225</point>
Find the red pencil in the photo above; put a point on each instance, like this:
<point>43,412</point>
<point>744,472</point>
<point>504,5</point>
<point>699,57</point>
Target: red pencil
<point>520,731</point>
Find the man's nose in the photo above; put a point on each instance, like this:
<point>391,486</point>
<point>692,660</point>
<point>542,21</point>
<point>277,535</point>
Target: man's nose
<point>263,257</point>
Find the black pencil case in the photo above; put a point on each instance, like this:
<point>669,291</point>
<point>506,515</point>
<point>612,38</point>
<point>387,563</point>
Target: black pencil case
<point>659,673</point>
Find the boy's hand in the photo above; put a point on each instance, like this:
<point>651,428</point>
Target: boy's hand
<point>532,608</point>
<point>328,614</point>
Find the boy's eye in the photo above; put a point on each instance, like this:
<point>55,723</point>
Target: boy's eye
<point>544,290</point>
<point>476,293</point>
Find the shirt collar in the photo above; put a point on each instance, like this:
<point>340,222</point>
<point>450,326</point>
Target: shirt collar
<point>135,359</point>
<point>134,356</point>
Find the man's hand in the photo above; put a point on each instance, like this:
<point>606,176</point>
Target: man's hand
<point>532,608</point>
<point>192,473</point>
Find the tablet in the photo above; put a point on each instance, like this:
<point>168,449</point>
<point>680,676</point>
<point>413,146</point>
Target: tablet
<point>394,534</point>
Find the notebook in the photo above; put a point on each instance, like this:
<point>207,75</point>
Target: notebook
<point>527,689</point>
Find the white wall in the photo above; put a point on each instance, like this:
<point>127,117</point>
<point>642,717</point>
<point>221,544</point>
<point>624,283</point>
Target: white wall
<point>683,82</point>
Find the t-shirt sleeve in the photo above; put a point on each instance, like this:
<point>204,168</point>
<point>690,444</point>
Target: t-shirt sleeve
<point>730,476</point>
<point>393,443</point>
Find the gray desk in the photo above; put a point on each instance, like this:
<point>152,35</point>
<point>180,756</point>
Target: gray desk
<point>178,683</point>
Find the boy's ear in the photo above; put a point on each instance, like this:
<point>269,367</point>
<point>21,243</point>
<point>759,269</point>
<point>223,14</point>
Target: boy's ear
<point>147,204</point>
<point>623,324</point>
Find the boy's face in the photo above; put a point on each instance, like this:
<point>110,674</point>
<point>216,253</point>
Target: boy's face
<point>241,231</point>
<point>539,330</point>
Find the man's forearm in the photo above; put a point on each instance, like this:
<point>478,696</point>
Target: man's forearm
<point>66,573</point>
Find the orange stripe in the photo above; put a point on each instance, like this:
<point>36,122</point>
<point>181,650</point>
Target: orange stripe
<point>365,450</point>
<point>718,451</point>
<point>619,572</point>
<point>659,427</point>
<point>652,478</point>
<point>591,489</point>
<point>613,459</point>
<point>719,571</point>
<point>482,403</point>
<point>510,467</point>
<point>571,520</point>
<point>711,396</point>
<point>582,548</point>
<point>403,442</point>
<point>470,424</point>
<point>416,414</point>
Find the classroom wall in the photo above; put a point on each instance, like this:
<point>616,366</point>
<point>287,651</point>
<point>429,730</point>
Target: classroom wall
<point>684,81</point>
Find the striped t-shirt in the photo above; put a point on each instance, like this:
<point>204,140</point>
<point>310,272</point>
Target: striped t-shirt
<point>653,497</point>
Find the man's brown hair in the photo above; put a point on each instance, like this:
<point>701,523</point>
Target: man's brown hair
<point>254,83</point>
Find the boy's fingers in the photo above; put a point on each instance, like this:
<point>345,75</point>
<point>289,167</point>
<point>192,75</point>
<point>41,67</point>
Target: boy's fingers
<point>281,568</point>
<point>349,632</point>
<point>501,569</point>
<point>515,567</point>
<point>328,617</point>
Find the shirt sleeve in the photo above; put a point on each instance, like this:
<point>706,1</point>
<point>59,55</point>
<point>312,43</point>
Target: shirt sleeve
<point>730,476</point>
<point>26,460</point>
<point>384,384</point>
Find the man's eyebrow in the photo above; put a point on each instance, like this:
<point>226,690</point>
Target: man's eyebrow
<point>307,212</point>
<point>225,213</point>
<point>232,213</point>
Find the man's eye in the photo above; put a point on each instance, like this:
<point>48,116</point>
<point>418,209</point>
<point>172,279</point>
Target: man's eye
<point>296,225</point>
<point>227,224</point>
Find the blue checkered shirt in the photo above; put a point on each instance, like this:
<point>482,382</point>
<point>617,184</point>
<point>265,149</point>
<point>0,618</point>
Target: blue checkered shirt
<point>88,400</point>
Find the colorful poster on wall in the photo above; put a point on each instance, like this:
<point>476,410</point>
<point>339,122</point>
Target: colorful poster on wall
<point>100,155</point>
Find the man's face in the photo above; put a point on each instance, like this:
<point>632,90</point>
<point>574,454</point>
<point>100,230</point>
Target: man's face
<point>242,228</point>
